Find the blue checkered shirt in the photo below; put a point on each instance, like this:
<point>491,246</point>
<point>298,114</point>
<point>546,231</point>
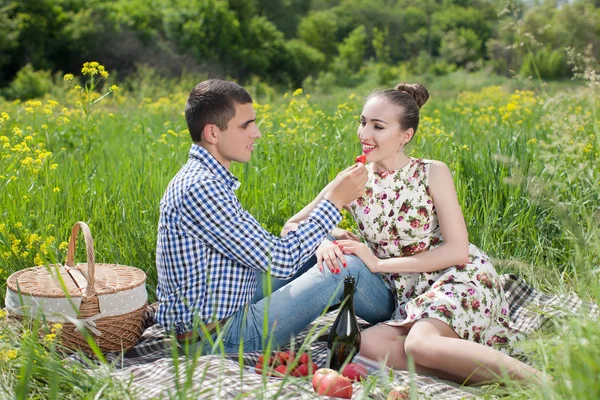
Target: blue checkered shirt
<point>209,247</point>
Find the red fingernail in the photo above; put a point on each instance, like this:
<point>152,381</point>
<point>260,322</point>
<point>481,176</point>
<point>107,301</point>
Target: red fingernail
<point>344,264</point>
<point>334,242</point>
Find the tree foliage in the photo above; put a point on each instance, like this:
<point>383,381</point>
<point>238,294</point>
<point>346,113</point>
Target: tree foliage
<point>286,41</point>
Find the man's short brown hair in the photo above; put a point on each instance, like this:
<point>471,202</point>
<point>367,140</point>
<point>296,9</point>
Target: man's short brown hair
<point>213,102</point>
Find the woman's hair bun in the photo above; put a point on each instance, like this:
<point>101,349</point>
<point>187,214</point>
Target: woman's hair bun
<point>417,91</point>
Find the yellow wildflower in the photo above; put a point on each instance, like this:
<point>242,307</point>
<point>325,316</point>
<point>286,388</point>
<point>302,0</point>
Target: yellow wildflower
<point>56,190</point>
<point>49,338</point>
<point>63,245</point>
<point>297,92</point>
<point>68,77</point>
<point>114,88</point>
<point>38,260</point>
<point>53,166</point>
<point>8,354</point>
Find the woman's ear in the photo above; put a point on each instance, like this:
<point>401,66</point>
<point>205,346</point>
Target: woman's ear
<point>210,134</point>
<point>408,135</point>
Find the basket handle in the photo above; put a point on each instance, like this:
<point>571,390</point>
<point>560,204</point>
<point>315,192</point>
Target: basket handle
<point>88,274</point>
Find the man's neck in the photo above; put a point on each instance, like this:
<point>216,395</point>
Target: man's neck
<point>213,152</point>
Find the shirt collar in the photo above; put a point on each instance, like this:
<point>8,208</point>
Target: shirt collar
<point>202,155</point>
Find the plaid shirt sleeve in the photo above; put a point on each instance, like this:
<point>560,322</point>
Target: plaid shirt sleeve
<point>214,214</point>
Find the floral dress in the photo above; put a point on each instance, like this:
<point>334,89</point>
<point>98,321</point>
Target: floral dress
<point>397,218</point>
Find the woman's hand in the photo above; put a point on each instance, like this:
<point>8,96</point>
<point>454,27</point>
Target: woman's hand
<point>342,234</point>
<point>328,254</point>
<point>288,227</point>
<point>360,250</point>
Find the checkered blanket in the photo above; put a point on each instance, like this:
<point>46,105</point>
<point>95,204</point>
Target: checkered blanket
<point>154,372</point>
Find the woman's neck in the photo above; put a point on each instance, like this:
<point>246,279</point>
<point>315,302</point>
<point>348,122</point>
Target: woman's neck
<point>398,162</point>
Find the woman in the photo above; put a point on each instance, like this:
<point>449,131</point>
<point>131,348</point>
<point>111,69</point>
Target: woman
<point>451,316</point>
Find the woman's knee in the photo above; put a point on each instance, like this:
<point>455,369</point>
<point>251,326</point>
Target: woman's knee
<point>421,350</point>
<point>373,344</point>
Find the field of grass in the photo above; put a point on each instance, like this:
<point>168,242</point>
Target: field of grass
<point>525,165</point>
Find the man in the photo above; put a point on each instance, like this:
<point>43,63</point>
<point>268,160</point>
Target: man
<point>209,249</point>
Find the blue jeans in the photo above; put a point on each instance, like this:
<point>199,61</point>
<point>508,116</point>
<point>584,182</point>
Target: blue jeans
<point>296,302</point>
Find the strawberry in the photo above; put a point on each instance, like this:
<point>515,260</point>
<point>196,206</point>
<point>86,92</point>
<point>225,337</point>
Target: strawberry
<point>285,357</point>
<point>258,368</point>
<point>302,370</point>
<point>304,358</point>
<point>361,159</point>
<point>280,371</point>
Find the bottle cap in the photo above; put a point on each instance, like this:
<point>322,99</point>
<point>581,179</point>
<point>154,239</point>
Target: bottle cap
<point>350,279</point>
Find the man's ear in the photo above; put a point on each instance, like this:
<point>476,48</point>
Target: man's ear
<point>210,134</point>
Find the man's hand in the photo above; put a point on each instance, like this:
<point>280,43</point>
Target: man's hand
<point>330,255</point>
<point>360,250</point>
<point>348,185</point>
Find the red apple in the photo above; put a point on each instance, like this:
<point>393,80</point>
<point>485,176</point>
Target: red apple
<point>328,382</point>
<point>399,393</point>
<point>316,380</point>
<point>355,372</point>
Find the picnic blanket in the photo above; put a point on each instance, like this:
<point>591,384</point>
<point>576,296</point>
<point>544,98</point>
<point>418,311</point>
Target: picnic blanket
<point>150,365</point>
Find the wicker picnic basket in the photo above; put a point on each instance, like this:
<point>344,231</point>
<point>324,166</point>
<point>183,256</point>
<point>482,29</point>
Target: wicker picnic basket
<point>106,301</point>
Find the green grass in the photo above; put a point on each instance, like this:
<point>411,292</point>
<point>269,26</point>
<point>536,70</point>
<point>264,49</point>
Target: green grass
<point>526,173</point>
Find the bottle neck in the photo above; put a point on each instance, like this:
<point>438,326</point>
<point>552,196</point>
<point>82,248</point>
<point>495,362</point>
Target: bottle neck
<point>349,295</point>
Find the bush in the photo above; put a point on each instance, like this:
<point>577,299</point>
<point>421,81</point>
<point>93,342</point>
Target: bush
<point>460,46</point>
<point>324,82</point>
<point>303,61</point>
<point>390,74</point>
<point>29,84</point>
<point>551,64</point>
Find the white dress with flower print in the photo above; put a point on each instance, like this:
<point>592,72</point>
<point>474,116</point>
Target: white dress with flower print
<point>397,218</point>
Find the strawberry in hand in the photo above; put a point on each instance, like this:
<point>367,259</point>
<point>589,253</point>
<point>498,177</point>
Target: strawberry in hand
<point>361,159</point>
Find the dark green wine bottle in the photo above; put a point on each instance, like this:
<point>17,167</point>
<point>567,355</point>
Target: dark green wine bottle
<point>343,342</point>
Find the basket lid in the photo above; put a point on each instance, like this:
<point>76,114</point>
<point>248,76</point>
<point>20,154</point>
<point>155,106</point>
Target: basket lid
<point>43,281</point>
